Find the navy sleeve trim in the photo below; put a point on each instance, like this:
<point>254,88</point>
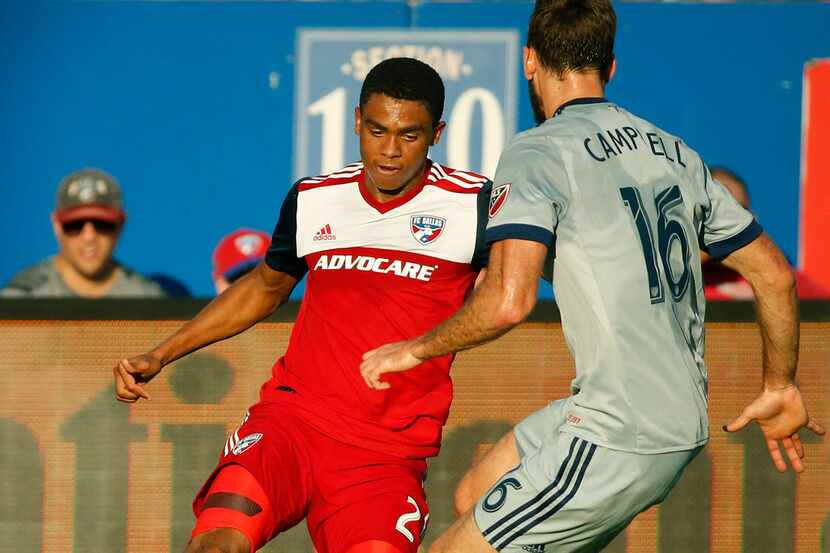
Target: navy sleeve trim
<point>282,254</point>
<point>520,232</point>
<point>291,269</point>
<point>481,255</point>
<point>723,248</point>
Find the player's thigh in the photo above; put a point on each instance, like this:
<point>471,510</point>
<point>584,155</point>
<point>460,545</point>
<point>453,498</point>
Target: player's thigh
<point>397,518</point>
<point>462,537</point>
<point>502,457</point>
<point>262,483</point>
<point>234,515</point>
<point>373,546</point>
<point>575,495</point>
<point>527,437</point>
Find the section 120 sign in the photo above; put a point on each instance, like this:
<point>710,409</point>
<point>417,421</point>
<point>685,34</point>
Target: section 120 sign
<point>479,69</point>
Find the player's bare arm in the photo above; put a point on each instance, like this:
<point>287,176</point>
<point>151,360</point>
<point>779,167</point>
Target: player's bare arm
<point>249,300</point>
<point>779,410</point>
<point>503,299</point>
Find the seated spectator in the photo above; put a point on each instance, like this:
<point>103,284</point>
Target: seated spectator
<point>87,222</point>
<point>722,283</point>
<point>236,254</point>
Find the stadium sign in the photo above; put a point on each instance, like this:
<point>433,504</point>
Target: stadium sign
<point>480,73</point>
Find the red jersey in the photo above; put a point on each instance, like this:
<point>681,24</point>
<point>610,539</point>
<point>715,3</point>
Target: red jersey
<point>377,273</point>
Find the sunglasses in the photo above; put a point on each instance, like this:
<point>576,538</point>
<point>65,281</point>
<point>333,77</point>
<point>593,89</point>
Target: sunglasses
<point>74,228</point>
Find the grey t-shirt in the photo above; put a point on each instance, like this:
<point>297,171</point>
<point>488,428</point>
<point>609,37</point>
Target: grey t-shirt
<point>42,280</point>
<point>624,208</point>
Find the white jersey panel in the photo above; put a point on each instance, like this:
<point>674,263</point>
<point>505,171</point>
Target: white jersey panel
<point>337,216</point>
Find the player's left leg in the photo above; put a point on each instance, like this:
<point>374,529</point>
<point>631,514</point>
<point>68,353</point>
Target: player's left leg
<point>502,457</point>
<point>463,535</point>
<point>391,522</point>
<point>374,546</point>
<point>366,501</point>
<point>527,437</point>
<point>571,494</point>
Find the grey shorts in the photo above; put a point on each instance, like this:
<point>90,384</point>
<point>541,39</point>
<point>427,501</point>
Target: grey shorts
<point>568,493</point>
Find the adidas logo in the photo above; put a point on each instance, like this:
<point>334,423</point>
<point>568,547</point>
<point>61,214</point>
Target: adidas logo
<point>325,233</point>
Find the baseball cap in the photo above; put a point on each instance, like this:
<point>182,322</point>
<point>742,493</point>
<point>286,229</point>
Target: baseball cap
<point>238,252</point>
<point>89,194</point>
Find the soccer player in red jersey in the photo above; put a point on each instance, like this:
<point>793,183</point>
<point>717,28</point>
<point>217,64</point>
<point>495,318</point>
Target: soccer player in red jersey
<point>392,245</point>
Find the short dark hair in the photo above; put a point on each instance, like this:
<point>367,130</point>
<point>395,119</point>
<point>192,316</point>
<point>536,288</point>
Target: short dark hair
<point>574,35</point>
<point>406,79</point>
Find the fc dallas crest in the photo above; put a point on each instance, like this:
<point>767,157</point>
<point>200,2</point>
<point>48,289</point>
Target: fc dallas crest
<point>497,198</point>
<point>426,228</point>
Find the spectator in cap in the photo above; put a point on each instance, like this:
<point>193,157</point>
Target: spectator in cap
<point>87,221</point>
<point>236,254</point>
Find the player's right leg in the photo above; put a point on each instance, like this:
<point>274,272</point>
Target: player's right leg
<point>220,540</point>
<point>261,486</point>
<point>235,516</point>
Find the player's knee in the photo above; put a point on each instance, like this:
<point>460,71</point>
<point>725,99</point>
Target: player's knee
<point>373,546</point>
<point>221,540</point>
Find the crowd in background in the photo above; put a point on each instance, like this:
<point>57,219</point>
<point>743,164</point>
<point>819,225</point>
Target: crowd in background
<point>89,217</point>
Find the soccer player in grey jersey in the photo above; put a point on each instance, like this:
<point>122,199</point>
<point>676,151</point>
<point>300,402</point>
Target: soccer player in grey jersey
<point>623,207</point>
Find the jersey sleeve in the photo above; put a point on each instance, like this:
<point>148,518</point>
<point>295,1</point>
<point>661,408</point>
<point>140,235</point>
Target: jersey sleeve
<point>282,254</point>
<point>530,194</point>
<point>481,256</point>
<point>726,225</point>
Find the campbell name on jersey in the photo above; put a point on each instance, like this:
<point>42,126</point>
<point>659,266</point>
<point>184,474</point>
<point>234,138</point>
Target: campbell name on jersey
<point>625,208</point>
<point>377,273</point>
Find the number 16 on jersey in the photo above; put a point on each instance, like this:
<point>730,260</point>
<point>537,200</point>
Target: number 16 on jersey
<point>669,232</point>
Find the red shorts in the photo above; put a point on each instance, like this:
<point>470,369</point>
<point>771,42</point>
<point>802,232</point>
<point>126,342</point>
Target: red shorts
<point>348,494</point>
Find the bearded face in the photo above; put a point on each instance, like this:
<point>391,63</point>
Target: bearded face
<point>536,103</point>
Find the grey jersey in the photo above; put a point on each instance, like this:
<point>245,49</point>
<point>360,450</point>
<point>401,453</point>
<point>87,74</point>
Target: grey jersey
<point>43,280</point>
<point>624,208</point>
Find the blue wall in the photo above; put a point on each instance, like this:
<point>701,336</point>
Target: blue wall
<point>174,99</point>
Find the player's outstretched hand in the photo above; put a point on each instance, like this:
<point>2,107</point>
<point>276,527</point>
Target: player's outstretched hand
<point>391,358</point>
<point>780,414</point>
<point>131,374</point>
